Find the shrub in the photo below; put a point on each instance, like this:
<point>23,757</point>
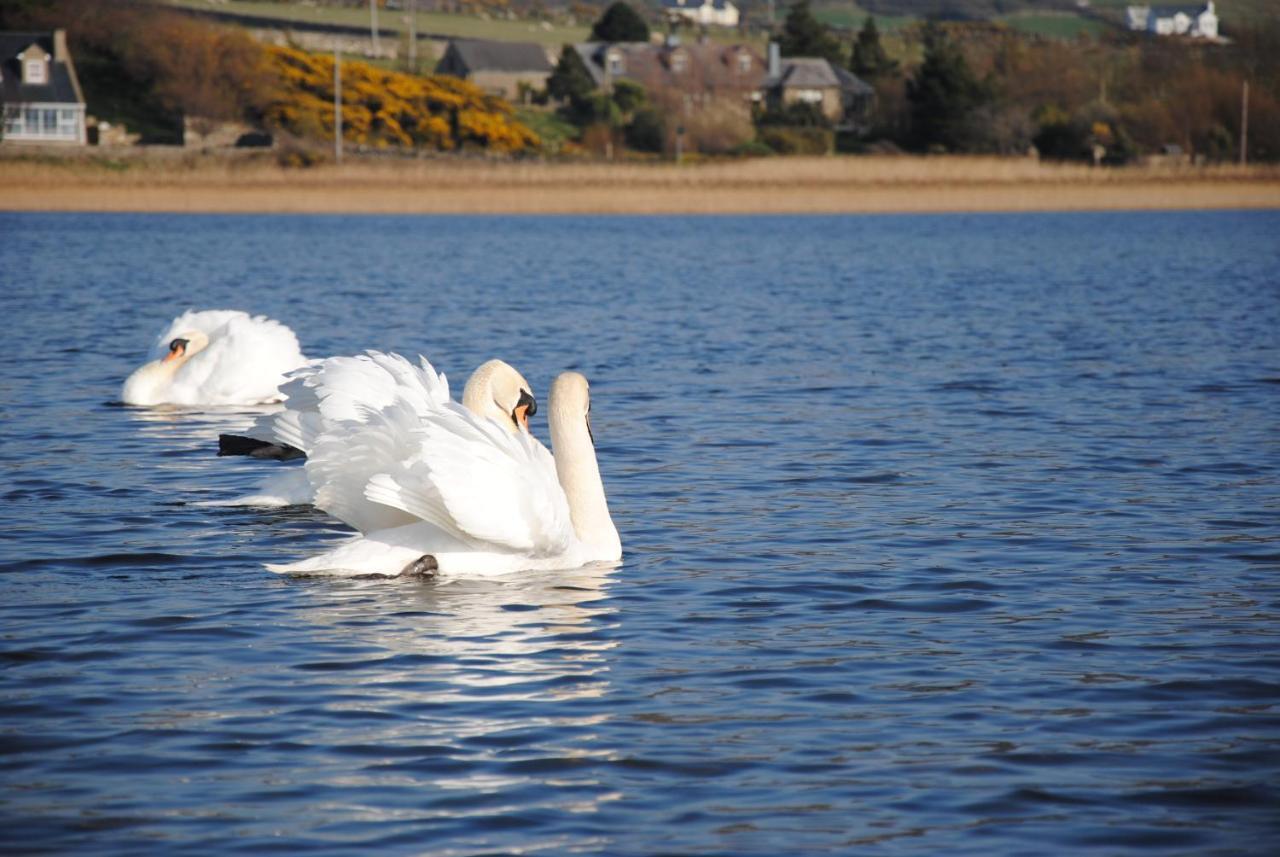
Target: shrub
<point>797,141</point>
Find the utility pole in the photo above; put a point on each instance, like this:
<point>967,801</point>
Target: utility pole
<point>413,37</point>
<point>373,25</point>
<point>1244,124</point>
<point>337,106</point>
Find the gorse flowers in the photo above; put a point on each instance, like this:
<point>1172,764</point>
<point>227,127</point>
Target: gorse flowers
<point>389,109</point>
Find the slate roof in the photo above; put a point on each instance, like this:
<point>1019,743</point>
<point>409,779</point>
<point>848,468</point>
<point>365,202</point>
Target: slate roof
<point>804,72</point>
<point>61,88</point>
<point>850,82</point>
<point>485,55</point>
<point>712,67</point>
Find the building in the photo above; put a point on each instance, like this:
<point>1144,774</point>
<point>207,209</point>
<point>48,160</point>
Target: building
<point>1197,22</point>
<point>707,13</point>
<point>42,99</point>
<point>498,68</point>
<point>844,99</point>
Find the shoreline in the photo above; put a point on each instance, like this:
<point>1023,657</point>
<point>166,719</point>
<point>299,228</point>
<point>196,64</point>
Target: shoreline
<point>185,182</point>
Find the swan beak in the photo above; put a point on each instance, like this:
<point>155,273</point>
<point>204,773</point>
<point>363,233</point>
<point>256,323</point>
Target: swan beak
<point>525,408</point>
<point>177,348</point>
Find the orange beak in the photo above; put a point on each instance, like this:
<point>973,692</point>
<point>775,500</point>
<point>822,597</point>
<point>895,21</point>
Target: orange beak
<point>522,416</point>
<point>174,353</point>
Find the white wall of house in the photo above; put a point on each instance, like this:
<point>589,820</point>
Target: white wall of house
<point>707,14</point>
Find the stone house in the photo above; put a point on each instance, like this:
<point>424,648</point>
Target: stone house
<point>1197,22</point>
<point>41,95</point>
<point>701,72</point>
<point>844,99</point>
<point>499,68</point>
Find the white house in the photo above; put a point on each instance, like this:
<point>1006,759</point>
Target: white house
<point>719,13</point>
<point>1198,22</point>
<point>39,89</point>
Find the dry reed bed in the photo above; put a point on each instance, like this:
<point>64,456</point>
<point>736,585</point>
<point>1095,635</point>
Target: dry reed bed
<point>192,183</point>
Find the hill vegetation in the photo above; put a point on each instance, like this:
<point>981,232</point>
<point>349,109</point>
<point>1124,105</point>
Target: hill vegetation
<point>147,68</point>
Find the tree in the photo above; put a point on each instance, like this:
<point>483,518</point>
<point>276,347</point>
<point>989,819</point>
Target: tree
<point>943,93</point>
<point>620,23</point>
<point>805,36</point>
<point>570,79</point>
<point>868,59</point>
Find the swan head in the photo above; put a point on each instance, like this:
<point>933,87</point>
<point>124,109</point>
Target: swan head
<point>184,346</point>
<point>149,383</point>
<point>499,392</point>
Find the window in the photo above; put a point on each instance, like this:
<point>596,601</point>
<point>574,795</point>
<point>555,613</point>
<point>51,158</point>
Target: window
<point>35,71</point>
<point>744,62</point>
<point>615,62</point>
<point>48,121</point>
<point>678,62</point>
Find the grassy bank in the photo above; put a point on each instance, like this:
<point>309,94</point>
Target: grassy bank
<point>181,181</point>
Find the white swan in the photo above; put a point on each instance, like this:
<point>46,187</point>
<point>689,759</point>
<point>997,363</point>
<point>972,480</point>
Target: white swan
<point>216,357</point>
<point>350,389</point>
<point>445,492</point>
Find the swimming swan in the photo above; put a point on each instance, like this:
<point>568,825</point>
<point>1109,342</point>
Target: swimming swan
<point>350,389</point>
<point>216,357</point>
<point>444,492</point>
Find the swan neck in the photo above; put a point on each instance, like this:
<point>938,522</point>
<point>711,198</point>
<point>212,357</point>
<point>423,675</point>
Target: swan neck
<point>149,383</point>
<point>579,475</point>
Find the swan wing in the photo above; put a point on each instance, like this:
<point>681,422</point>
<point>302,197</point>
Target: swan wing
<point>471,478</point>
<point>339,389</point>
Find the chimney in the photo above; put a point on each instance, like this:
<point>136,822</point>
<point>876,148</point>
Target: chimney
<point>775,59</point>
<point>60,52</point>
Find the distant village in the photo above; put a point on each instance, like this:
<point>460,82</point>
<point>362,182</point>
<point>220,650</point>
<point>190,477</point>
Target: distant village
<point>683,78</point>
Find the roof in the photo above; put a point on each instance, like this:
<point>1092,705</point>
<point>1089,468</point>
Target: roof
<point>710,66</point>
<point>61,88</point>
<point>804,72</point>
<point>850,82</point>
<point>485,55</point>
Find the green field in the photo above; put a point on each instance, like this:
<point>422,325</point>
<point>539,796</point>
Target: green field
<point>850,16</point>
<point>1061,25</point>
<point>428,23</point>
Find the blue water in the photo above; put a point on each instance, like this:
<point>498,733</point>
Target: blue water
<point>944,535</point>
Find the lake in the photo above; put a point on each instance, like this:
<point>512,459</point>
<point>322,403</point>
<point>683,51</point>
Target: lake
<point>943,534</point>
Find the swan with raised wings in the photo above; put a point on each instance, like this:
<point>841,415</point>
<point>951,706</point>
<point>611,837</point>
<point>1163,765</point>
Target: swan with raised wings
<point>440,491</point>
<point>216,357</point>
<point>340,390</point>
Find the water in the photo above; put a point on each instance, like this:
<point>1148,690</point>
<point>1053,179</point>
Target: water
<point>944,534</point>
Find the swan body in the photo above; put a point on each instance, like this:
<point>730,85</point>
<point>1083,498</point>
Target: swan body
<point>216,357</point>
<point>348,390</point>
<point>441,489</point>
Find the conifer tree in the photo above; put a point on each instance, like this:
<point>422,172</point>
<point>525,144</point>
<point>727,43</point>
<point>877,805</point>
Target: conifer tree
<point>620,23</point>
<point>868,59</point>
<point>944,93</point>
<point>805,36</point>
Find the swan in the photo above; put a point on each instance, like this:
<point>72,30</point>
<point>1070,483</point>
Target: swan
<point>444,492</point>
<point>216,357</point>
<point>349,389</point>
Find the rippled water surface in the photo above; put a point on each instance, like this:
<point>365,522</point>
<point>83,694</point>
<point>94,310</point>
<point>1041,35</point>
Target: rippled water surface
<point>944,535</point>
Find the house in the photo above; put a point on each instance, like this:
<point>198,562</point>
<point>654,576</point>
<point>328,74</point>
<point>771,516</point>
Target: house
<point>718,13</point>
<point>1198,22</point>
<point>39,89</point>
<point>844,99</point>
<point>701,72</point>
<point>498,68</point>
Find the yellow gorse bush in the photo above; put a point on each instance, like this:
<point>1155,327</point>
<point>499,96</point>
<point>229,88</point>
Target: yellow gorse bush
<point>385,108</point>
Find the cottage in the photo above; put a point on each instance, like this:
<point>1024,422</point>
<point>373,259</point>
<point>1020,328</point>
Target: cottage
<point>844,98</point>
<point>39,89</point>
<point>498,68</point>
<point>1197,22</point>
<point>717,13</point>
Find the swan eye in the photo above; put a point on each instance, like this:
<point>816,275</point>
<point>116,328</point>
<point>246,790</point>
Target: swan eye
<point>177,346</point>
